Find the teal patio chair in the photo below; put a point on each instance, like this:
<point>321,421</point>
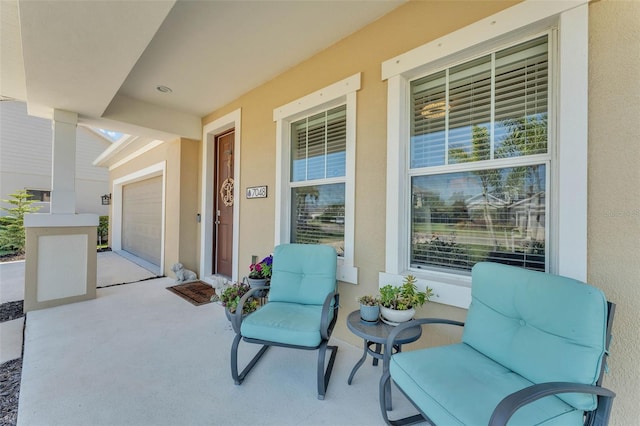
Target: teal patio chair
<point>533,352</point>
<point>301,311</point>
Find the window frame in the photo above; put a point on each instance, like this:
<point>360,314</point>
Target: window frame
<point>568,22</point>
<point>43,191</point>
<point>547,159</point>
<point>340,93</point>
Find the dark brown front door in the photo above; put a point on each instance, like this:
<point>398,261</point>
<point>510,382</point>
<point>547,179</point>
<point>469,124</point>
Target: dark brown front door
<point>223,217</point>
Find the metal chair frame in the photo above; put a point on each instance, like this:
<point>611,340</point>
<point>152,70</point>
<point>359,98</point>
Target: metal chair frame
<point>326,328</point>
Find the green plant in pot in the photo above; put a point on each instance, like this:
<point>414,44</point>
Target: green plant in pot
<point>369,308</point>
<point>398,303</point>
<point>230,298</point>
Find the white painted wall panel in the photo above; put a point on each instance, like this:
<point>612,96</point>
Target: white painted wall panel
<point>25,159</point>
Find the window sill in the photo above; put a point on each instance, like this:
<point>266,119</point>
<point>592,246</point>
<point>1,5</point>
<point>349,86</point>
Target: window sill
<point>447,289</point>
<point>347,274</point>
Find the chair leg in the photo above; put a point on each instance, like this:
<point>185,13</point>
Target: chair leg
<point>325,375</point>
<point>239,378</point>
<point>385,398</point>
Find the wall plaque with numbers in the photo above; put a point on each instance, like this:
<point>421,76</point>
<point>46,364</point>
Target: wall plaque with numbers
<point>257,192</point>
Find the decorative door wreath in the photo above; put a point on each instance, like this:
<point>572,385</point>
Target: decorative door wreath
<point>226,192</point>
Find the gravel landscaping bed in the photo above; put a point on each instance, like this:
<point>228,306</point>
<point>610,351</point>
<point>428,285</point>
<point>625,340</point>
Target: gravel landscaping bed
<point>11,310</point>
<point>10,373</point>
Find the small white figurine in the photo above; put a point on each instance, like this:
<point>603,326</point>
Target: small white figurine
<point>182,274</point>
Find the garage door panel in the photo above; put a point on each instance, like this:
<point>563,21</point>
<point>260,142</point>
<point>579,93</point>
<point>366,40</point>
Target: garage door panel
<point>142,219</point>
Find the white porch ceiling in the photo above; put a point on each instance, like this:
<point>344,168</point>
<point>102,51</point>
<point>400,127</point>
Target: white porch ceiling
<point>104,59</point>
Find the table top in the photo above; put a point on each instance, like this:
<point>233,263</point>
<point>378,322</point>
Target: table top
<point>379,331</point>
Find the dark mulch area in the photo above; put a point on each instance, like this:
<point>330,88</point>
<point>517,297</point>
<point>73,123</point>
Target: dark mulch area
<point>10,373</point>
<point>11,310</point>
<point>11,257</point>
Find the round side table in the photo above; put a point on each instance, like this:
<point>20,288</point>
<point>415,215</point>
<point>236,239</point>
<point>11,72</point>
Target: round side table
<point>375,336</point>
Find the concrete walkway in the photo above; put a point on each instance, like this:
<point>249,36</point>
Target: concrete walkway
<point>140,355</point>
<point>112,268</point>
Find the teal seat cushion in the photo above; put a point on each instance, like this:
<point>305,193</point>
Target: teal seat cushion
<point>457,385</point>
<point>287,323</point>
<point>303,273</point>
<point>544,327</point>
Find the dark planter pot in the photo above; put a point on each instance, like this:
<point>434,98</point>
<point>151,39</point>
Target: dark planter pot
<point>258,282</point>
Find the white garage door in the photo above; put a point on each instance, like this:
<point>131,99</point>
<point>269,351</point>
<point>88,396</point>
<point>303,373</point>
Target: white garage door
<point>142,219</point>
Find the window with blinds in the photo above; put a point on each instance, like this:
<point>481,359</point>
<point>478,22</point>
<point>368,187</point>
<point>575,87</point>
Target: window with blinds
<point>487,120</point>
<point>318,170</point>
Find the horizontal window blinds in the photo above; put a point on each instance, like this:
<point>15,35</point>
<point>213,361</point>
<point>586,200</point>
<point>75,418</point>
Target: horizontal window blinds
<point>491,107</point>
<point>319,145</point>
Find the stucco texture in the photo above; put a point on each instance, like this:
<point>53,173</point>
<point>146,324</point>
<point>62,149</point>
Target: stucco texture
<point>614,197</point>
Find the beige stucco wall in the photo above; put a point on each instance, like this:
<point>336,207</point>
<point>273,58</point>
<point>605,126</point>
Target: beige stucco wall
<point>614,188</point>
<point>403,29</point>
<point>614,176</point>
<point>189,235</point>
<point>181,240</point>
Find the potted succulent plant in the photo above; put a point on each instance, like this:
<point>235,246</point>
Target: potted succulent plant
<point>398,303</point>
<point>369,308</point>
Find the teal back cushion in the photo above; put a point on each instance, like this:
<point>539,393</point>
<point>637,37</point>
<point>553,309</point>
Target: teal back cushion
<point>547,328</point>
<point>303,273</point>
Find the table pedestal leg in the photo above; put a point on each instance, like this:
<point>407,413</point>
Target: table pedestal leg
<point>378,351</point>
<point>358,364</point>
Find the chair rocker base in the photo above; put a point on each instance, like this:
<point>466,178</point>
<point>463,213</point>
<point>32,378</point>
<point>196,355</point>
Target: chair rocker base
<point>385,386</point>
<point>323,375</point>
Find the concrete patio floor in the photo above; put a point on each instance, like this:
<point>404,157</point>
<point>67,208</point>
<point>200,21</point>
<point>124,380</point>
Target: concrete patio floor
<point>112,269</point>
<point>140,355</point>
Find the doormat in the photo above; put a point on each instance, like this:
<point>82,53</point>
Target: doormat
<point>196,292</point>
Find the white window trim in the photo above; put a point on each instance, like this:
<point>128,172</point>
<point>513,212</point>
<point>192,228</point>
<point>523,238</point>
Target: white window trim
<point>568,224</point>
<point>342,92</point>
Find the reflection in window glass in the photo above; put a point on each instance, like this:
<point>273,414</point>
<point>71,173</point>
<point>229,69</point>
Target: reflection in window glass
<point>495,106</point>
<point>459,219</point>
<point>318,215</point>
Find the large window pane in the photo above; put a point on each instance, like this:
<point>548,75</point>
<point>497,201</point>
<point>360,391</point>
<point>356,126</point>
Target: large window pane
<point>459,219</point>
<point>470,111</point>
<point>521,99</point>
<point>318,215</point>
<point>495,106</point>
<point>318,145</point>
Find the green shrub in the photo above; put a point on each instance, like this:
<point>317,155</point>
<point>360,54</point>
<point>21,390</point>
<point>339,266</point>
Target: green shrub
<point>12,236</point>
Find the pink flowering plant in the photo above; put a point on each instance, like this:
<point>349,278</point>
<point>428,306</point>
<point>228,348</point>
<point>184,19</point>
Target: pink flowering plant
<point>261,269</point>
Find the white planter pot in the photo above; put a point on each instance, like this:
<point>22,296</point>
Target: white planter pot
<point>394,315</point>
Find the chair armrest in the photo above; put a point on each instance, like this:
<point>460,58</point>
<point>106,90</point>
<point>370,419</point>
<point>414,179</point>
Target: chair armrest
<point>510,404</point>
<point>326,326</point>
<point>388,346</point>
<point>236,317</point>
